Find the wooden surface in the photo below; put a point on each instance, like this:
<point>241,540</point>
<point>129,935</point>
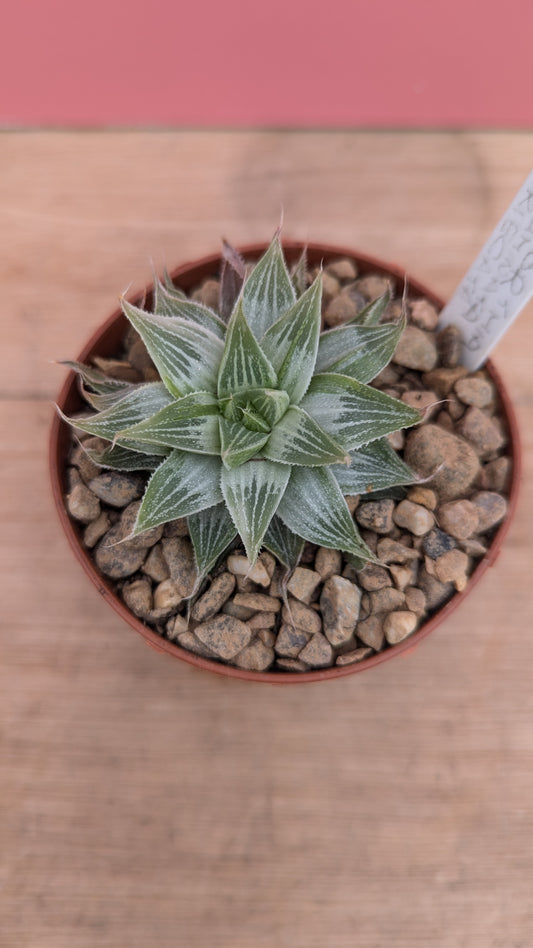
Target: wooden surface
<point>146,803</point>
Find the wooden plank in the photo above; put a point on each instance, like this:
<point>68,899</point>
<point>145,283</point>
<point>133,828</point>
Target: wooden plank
<point>144,802</point>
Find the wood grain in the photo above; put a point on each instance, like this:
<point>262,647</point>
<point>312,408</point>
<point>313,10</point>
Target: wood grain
<point>146,803</point>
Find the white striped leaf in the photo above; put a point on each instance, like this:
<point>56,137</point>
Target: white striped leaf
<point>170,304</point>
<point>354,413</point>
<point>252,493</point>
<point>313,507</point>
<point>283,543</point>
<point>122,459</point>
<point>268,292</point>
<point>189,423</point>
<point>211,532</point>
<point>171,287</point>
<point>257,408</point>
<point>182,485</point>
<point>358,351</point>
<point>372,312</point>
<point>243,364</point>
<point>374,467</point>
<point>292,342</point>
<point>299,273</point>
<point>186,355</point>
<point>96,379</point>
<point>139,403</point>
<point>299,439</point>
<point>239,444</point>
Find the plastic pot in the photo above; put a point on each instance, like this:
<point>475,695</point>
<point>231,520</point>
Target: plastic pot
<point>106,342</point>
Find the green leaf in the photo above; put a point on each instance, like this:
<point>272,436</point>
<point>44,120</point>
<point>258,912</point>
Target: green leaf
<point>171,287</point>
<point>371,314</point>
<point>291,343</point>
<point>239,444</point>
<point>313,507</point>
<point>182,485</point>
<point>136,405</point>
<point>298,439</point>
<point>186,355</point>
<point>97,380</point>
<point>299,273</point>
<point>257,408</point>
<point>252,493</point>
<point>354,413</point>
<point>231,279</point>
<point>374,467</point>
<point>190,423</point>
<point>358,351</point>
<point>211,532</point>
<point>122,459</point>
<point>283,543</point>
<point>170,304</point>
<point>268,291</point>
<point>243,364</point>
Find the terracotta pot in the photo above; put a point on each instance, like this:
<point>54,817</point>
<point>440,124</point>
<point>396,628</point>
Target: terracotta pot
<point>106,342</point>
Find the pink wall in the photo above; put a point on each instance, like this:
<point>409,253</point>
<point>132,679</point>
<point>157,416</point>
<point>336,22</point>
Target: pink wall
<point>344,63</point>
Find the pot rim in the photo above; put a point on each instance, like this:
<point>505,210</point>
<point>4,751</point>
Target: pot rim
<point>190,274</point>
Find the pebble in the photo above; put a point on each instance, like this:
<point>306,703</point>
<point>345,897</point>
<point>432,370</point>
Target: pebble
<point>341,309</point>
<point>118,559</point>
<point>356,655</point>
<point>475,391</point>
<point>167,596</point>
<point>480,429</point>
<point>451,460</point>
<point>384,600</point>
<point>496,475</point>
<point>327,562</point>
<point>188,641</point>
<point>82,504</point>
<point>398,625</point>
<point>402,575</point>
<point>214,598</point>
<point>179,556</point>
<point>117,489</point>
<point>376,515</point>
<point>340,603</point>
<point>374,286</point>
<point>155,566</point>
<point>262,620</point>
<point>424,496</point>
<point>176,528</point>
<point>303,583</point>
<point>238,612</point>
<point>318,652</point>
<point>301,616</point>
<point>438,542</point>
<point>415,600</point>
<point>452,567</point>
<point>259,602</point>
<point>373,577</point>
<point>138,597</point>
<point>491,508</point>
<point>267,636</point>
<point>146,539</point>
<point>413,517</point>
<point>224,635</point>
<point>474,547</point>
<point>424,314</point>
<point>424,401</point>
<point>459,518</point>
<point>208,294</point>
<point>95,530</point>
<point>442,380</point>
<point>416,349</point>
<point>330,287</point>
<point>370,632</point>
<point>449,346</point>
<point>255,657</point>
<point>291,665</point>
<point>392,551</point>
<point>290,641</point>
<point>435,592</point>
<point>343,269</point>
<point>241,566</point>
<point>81,460</point>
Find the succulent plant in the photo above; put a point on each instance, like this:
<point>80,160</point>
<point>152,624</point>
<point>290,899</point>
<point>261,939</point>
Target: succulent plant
<point>260,424</point>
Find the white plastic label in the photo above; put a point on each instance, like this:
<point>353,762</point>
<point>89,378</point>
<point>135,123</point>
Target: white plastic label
<point>498,284</point>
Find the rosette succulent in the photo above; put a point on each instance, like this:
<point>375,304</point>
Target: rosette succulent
<point>260,424</point>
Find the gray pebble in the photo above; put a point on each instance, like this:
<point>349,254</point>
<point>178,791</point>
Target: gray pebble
<point>224,635</point>
<point>117,489</point>
<point>376,515</point>
<point>212,601</point>
<point>82,504</point>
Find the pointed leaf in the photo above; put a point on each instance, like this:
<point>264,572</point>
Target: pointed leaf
<point>299,439</point>
<point>299,274</point>
<point>283,543</point>
<point>169,304</point>
<point>102,402</point>
<point>268,291</point>
<point>313,507</point>
<point>358,351</point>
<point>372,312</point>
<point>258,408</point>
<point>118,458</point>
<point>211,531</point>
<point>231,280</point>
<point>354,413</point>
<point>239,444</point>
<point>96,379</point>
<point>171,287</point>
<point>139,403</point>
<point>187,355</point>
<point>190,423</point>
<point>373,467</point>
<point>182,485</point>
<point>243,364</point>
<point>252,493</point>
<point>291,343</point>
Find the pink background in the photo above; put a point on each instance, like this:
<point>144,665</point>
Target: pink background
<point>287,63</point>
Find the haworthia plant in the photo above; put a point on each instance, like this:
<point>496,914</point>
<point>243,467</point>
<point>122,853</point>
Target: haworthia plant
<point>260,424</point>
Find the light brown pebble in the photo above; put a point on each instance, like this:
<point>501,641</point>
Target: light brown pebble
<point>356,655</point>
<point>413,517</point>
<point>373,577</point>
<point>291,665</point>
<point>424,496</point>
<point>267,636</point>
<point>177,625</point>
<point>208,294</point>
<point>303,583</point>
<point>225,635</point>
<point>491,509</point>
<point>268,561</point>
<point>451,460</point>
<point>117,369</point>
<point>352,502</point>
<point>424,314</point>
<point>474,547</point>
<point>176,528</point>
<point>82,504</point>
<point>167,595</point>
<point>424,401</point>
<point>318,652</point>
<point>301,616</point>
<point>214,598</point>
<point>398,625</point>
<point>384,600</point>
<point>496,475</point>
<point>156,565</point>
<point>341,309</point>
<point>402,575</point>
<point>262,620</point>
<point>179,555</point>
<point>370,632</point>
<point>449,346</point>
<point>256,657</point>
<point>376,515</point>
<point>259,602</point>
<point>340,603</point>
<point>188,641</point>
<point>474,391</point>
<point>116,488</point>
<point>144,540</point>
<point>327,562</point>
<point>290,641</point>
<point>481,431</point>
<point>79,457</point>
<point>452,567</point>
<point>442,380</point>
<point>330,287</point>
<point>436,593</point>
<point>416,349</point>
<point>415,600</point>
<point>241,566</point>
<point>392,551</point>
<point>458,518</point>
<point>95,530</point>
<point>138,597</point>
<point>238,612</point>
<point>342,269</point>
<point>396,440</point>
<point>116,557</point>
<point>373,286</point>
